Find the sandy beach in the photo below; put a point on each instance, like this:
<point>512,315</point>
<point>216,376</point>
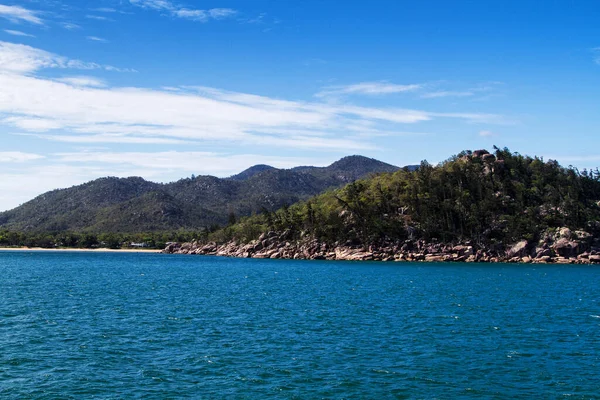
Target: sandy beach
<point>81,250</point>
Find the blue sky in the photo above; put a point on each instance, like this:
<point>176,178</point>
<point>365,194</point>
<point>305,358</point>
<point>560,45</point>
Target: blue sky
<point>164,89</point>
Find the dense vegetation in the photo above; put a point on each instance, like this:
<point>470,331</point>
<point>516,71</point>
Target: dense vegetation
<point>133,205</point>
<point>487,199</point>
<point>150,240</point>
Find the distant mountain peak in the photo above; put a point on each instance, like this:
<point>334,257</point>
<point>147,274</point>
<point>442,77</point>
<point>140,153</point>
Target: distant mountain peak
<point>133,204</point>
<point>250,172</point>
<point>356,160</point>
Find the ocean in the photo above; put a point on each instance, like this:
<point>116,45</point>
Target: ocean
<point>153,326</point>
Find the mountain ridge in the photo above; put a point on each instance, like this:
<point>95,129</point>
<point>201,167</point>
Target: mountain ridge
<point>133,204</point>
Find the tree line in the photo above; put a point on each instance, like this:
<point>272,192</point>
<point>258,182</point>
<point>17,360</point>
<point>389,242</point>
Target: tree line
<point>486,198</point>
<point>88,240</point>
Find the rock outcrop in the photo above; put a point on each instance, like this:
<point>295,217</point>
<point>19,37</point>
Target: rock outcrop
<point>561,246</point>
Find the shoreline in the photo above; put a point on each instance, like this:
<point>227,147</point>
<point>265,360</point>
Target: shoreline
<point>66,249</point>
<point>566,248</point>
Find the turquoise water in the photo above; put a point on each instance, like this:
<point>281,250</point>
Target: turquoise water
<point>106,326</point>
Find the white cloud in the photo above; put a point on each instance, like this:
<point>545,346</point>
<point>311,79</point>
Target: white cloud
<point>96,39</point>
<point>596,52</point>
<point>483,89</point>
<point>447,93</point>
<point>99,17</point>
<point>22,58</point>
<point>82,81</point>
<point>19,58</point>
<point>182,12</point>
<point>486,133</point>
<point>31,123</point>
<point>476,118</point>
<point>82,107</point>
<point>70,26</point>
<point>220,13</point>
<point>196,15</point>
<point>18,33</point>
<point>107,138</point>
<point>17,157</point>
<point>19,14</point>
<point>367,88</point>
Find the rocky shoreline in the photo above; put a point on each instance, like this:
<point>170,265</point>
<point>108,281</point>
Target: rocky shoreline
<point>561,246</point>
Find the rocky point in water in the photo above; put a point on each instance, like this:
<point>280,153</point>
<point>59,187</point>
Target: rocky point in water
<point>562,246</point>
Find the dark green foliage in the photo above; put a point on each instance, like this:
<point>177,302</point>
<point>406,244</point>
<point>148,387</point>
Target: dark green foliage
<point>151,240</point>
<point>134,205</point>
<point>250,172</point>
<point>479,197</point>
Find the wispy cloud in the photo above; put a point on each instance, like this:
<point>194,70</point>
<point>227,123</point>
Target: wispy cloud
<point>17,156</point>
<point>96,39</point>
<point>70,26</point>
<point>18,33</point>
<point>485,133</point>
<point>259,19</point>
<point>19,14</point>
<point>82,81</point>
<point>98,17</point>
<point>107,138</point>
<point>183,12</point>
<point>367,88</point>
<point>480,91</point>
<point>19,58</point>
<point>31,123</point>
<point>447,93</point>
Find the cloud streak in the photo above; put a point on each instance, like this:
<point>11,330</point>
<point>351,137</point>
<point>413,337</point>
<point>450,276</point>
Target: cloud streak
<point>173,10</point>
<point>367,88</point>
<point>19,58</point>
<point>96,39</point>
<point>98,17</point>
<point>70,26</point>
<point>19,14</point>
<point>18,33</point>
<point>18,157</point>
<point>82,81</point>
<point>447,93</point>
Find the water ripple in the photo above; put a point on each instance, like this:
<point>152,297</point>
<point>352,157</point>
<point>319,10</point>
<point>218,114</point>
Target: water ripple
<point>111,326</point>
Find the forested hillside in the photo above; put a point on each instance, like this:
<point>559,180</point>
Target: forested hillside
<point>134,205</point>
<point>476,197</point>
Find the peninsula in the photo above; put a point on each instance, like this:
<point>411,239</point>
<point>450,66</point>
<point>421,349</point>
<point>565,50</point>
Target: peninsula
<point>475,207</point>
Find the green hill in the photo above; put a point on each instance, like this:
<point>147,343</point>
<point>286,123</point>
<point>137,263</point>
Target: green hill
<point>130,205</point>
<point>486,200</point>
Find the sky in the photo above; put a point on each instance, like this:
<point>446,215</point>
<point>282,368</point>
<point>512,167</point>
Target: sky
<point>164,89</point>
